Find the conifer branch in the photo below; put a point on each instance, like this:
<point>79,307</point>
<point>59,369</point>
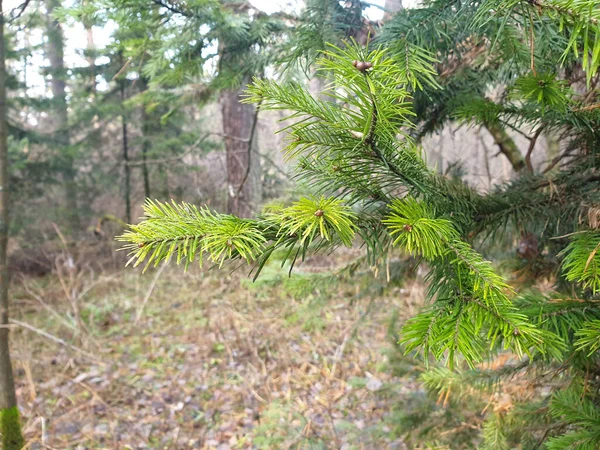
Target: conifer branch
<point>562,7</point>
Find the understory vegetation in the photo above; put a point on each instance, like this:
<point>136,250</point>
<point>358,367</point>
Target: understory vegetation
<point>305,361</point>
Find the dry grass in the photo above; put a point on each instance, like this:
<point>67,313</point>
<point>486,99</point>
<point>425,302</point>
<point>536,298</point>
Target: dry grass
<point>210,362</point>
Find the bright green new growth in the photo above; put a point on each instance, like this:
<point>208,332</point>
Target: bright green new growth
<point>189,233</point>
<point>10,427</point>
<point>326,216</point>
<point>582,260</point>
<point>472,304</point>
<point>356,148</point>
<point>588,337</point>
<point>415,228</point>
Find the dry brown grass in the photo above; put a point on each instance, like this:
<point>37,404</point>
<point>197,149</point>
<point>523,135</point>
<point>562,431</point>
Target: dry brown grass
<point>212,363</point>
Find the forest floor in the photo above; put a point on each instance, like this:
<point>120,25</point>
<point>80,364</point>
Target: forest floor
<point>209,360</point>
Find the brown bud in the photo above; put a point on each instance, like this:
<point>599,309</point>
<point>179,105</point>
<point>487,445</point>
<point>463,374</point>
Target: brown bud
<point>363,65</point>
<point>319,213</point>
<point>354,63</point>
<point>407,228</point>
<point>141,245</point>
<point>229,243</point>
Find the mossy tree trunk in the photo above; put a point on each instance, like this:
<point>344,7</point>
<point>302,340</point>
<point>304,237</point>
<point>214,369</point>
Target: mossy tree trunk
<point>507,146</point>
<point>10,426</point>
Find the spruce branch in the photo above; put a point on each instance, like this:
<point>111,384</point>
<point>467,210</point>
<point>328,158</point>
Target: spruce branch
<point>582,260</point>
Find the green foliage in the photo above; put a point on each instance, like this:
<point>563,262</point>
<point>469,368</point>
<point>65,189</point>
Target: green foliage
<point>471,298</point>
<point>320,22</point>
<point>416,64</point>
<point>582,260</point>
<point>190,232</point>
<point>588,337</point>
<point>327,216</point>
<point>544,90</point>
<point>10,428</point>
<point>560,316</point>
<point>417,231</point>
<point>579,20</point>
<point>583,415</point>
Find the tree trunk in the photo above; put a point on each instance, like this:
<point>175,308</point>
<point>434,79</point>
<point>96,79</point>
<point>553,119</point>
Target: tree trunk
<point>391,7</point>
<point>90,51</point>
<point>317,85</point>
<point>127,168</point>
<point>552,151</point>
<point>507,146</point>
<point>243,167</point>
<point>10,426</point>
<point>55,53</point>
<point>146,143</point>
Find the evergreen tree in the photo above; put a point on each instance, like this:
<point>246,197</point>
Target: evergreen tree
<point>181,41</point>
<point>359,155</point>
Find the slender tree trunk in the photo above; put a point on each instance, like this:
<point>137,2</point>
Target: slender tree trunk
<point>127,168</point>
<point>55,53</point>
<point>91,51</point>
<point>243,170</point>
<point>507,146</point>
<point>146,143</point>
<point>10,426</point>
<point>391,7</point>
<point>244,184</point>
<point>317,86</point>
<point>552,149</point>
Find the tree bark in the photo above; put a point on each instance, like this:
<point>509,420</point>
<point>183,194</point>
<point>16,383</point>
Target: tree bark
<point>90,51</point>
<point>55,53</point>
<point>10,426</point>
<point>146,144</point>
<point>127,168</point>
<point>507,146</point>
<point>243,170</point>
<point>391,7</point>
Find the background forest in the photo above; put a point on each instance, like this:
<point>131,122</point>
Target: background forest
<point>300,224</point>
